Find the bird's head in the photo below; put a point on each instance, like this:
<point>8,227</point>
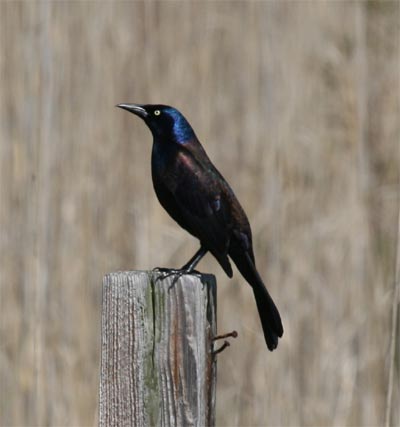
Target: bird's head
<point>165,122</point>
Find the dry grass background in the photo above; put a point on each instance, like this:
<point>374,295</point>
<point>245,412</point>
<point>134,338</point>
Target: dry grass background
<point>297,103</point>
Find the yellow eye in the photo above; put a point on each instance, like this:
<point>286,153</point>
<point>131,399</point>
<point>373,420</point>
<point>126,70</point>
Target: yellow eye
<point>157,112</point>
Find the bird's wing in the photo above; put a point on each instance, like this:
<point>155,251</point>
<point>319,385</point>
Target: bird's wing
<point>203,208</point>
<point>239,227</point>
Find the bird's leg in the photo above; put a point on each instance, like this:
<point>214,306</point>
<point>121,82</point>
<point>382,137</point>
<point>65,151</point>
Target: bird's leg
<point>191,264</point>
<point>188,268</point>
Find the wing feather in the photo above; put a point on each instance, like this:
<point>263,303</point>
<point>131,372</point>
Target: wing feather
<point>194,197</point>
<point>203,208</point>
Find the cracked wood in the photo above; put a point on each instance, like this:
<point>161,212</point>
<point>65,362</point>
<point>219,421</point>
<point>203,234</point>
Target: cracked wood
<point>156,363</point>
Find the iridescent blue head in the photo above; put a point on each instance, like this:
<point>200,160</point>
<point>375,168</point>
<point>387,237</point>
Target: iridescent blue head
<point>165,122</point>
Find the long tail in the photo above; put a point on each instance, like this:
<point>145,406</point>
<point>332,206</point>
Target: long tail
<point>269,314</point>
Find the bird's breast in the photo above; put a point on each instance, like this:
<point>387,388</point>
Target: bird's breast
<point>171,163</point>
<point>165,168</point>
<point>160,158</point>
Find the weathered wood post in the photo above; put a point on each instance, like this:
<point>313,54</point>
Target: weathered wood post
<point>157,366</point>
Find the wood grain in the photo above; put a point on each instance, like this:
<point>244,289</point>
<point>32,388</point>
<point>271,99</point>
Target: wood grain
<point>157,366</point>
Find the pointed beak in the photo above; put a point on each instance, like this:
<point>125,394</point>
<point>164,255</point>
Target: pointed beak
<point>135,109</point>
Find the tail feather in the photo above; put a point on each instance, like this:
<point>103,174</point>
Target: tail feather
<point>269,314</point>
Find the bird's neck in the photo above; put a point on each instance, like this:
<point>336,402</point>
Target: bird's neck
<point>182,132</point>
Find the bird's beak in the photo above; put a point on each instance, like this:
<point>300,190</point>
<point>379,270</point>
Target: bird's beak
<point>135,109</point>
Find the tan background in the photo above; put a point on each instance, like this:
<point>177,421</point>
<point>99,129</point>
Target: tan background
<point>297,103</point>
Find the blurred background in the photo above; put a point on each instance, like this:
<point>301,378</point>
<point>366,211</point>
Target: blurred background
<point>297,103</point>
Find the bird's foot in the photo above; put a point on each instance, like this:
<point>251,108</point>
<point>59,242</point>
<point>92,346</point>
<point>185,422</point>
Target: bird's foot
<point>178,273</point>
<point>162,270</point>
<point>226,344</point>
<point>165,273</point>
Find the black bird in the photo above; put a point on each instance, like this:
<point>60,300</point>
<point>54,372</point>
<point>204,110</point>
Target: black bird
<point>198,198</point>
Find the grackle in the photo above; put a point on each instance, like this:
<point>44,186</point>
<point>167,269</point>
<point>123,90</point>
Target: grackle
<point>198,198</point>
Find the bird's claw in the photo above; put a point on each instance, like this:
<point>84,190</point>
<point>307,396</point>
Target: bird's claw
<point>178,273</point>
<point>167,272</point>
<point>164,272</point>
<point>161,269</point>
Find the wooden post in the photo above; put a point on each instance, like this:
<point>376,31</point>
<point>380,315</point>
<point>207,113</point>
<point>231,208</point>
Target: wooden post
<point>157,366</point>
